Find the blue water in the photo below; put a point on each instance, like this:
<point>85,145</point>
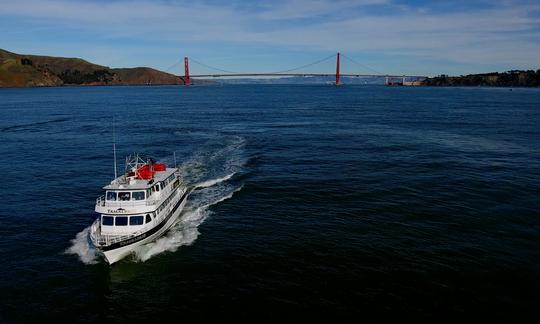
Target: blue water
<point>322,202</point>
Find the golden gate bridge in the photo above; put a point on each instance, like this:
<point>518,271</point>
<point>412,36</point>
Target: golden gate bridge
<point>389,79</point>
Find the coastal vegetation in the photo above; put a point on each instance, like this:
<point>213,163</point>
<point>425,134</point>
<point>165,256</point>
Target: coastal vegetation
<point>17,70</point>
<point>514,78</point>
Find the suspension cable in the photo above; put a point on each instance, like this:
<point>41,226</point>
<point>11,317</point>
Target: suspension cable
<point>175,64</point>
<point>304,66</point>
<point>211,67</point>
<point>362,65</point>
<point>282,71</point>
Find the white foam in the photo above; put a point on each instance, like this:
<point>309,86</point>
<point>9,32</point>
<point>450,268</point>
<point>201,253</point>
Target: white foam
<point>185,231</point>
<point>213,182</point>
<point>80,247</point>
<point>212,160</point>
<point>224,197</point>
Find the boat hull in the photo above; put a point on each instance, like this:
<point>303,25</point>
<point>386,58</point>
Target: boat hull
<point>120,250</point>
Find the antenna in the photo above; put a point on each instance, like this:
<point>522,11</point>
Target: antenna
<point>174,154</point>
<point>114,148</point>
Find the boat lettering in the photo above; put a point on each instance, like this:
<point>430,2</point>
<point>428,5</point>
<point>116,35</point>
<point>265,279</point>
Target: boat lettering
<point>117,211</point>
<point>135,239</point>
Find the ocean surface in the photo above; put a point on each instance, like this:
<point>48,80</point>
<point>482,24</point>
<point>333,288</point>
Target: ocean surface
<point>361,202</point>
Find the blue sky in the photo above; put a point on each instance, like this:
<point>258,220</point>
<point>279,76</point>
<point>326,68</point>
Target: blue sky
<point>392,36</point>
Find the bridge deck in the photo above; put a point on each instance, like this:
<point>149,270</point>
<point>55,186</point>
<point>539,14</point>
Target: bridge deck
<point>298,74</point>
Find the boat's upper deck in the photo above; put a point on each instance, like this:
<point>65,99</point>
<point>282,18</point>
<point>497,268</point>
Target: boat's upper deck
<point>133,195</point>
<point>132,183</point>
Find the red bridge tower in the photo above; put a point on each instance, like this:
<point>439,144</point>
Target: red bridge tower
<point>338,81</point>
<point>186,71</point>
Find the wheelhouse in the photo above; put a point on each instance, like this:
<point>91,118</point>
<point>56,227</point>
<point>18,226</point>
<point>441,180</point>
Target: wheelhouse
<point>124,195</point>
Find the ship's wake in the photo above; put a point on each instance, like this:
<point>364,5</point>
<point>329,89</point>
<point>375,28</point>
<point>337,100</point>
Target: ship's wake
<point>211,174</point>
<point>185,231</point>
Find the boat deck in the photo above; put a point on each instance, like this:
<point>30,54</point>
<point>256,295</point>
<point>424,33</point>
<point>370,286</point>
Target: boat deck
<point>122,183</point>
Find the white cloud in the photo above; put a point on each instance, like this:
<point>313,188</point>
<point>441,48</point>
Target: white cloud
<point>294,9</point>
<point>504,34</point>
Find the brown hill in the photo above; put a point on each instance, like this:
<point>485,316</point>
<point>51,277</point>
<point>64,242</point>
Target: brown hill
<point>144,75</point>
<point>17,70</point>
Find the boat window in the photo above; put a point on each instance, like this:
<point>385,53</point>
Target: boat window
<point>124,196</point>
<point>111,195</point>
<point>148,193</point>
<point>136,220</point>
<point>120,221</point>
<point>107,220</point>
<point>157,187</point>
<point>148,218</point>
<point>137,195</point>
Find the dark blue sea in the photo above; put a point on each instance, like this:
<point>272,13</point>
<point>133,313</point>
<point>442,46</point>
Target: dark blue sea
<point>367,203</point>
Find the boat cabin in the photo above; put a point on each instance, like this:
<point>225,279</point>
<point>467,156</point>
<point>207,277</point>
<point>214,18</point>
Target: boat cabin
<point>134,199</point>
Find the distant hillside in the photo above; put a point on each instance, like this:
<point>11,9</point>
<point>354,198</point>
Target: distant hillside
<point>17,70</point>
<point>505,79</point>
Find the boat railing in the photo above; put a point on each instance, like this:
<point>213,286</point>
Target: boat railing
<point>100,201</point>
<point>137,203</point>
<point>151,202</point>
<point>107,239</point>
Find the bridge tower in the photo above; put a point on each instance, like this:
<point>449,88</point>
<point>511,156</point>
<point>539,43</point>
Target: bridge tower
<point>186,71</point>
<point>338,81</point>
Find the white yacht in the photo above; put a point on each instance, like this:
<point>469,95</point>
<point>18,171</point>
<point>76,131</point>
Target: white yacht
<point>137,208</point>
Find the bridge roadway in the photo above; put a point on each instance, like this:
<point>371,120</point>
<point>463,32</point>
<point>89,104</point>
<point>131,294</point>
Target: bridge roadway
<point>298,74</point>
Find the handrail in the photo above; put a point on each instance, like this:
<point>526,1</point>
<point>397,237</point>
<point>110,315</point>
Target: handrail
<point>129,203</point>
<point>100,201</point>
<point>107,239</point>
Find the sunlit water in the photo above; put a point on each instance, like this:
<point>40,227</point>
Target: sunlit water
<point>312,202</point>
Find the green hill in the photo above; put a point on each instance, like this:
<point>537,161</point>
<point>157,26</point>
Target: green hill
<point>17,70</point>
<point>515,78</point>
